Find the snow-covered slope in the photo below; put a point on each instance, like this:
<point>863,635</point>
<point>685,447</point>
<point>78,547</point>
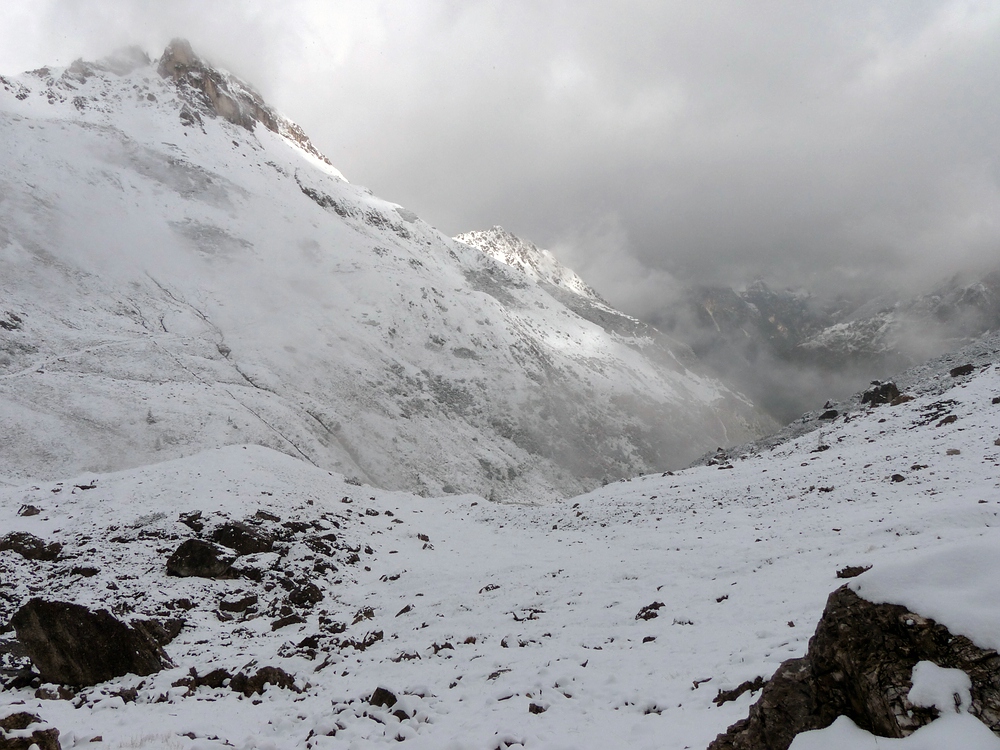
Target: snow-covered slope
<point>618,615</point>
<point>181,269</point>
<point>534,262</point>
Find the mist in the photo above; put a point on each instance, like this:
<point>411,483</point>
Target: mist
<point>837,148</point>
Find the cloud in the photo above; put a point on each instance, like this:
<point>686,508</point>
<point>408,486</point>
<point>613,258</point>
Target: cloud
<point>827,144</point>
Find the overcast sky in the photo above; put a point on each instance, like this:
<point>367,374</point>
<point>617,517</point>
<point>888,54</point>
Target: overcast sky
<point>809,143</point>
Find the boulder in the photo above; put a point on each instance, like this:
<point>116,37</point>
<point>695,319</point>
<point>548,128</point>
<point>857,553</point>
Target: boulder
<point>22,731</point>
<point>202,559</point>
<point>243,538</point>
<point>29,546</point>
<point>880,393</point>
<point>73,645</point>
<point>250,684</point>
<point>859,664</point>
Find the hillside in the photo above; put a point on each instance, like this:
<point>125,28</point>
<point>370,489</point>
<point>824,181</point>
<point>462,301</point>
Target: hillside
<point>181,269</point>
<point>615,617</point>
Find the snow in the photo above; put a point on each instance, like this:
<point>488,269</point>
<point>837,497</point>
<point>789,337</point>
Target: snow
<point>742,560</point>
<point>947,690</point>
<point>957,586</point>
<point>954,732</point>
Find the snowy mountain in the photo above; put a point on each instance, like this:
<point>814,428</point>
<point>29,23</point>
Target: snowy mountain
<point>914,328</point>
<point>790,350</point>
<point>645,614</point>
<point>182,269</point>
<point>536,263</point>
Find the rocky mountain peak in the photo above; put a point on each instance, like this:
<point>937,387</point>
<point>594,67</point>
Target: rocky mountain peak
<point>535,262</point>
<point>220,94</point>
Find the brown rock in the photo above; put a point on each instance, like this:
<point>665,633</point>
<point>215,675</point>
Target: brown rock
<point>880,393</point>
<point>276,676</point>
<point>13,737</point>
<point>859,664</point>
<point>243,538</point>
<point>73,645</point>
<point>29,546</point>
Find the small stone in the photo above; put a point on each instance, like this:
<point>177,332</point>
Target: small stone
<point>852,571</point>
<point>650,611</point>
<point>43,737</point>
<point>383,697</point>
<point>238,605</point>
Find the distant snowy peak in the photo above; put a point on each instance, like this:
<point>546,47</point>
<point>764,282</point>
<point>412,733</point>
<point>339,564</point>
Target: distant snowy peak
<point>534,262</point>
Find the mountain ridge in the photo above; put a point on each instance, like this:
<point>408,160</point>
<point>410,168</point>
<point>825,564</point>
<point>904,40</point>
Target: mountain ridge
<point>183,281</point>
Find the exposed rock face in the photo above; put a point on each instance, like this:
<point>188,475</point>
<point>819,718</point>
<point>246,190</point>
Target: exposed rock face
<point>70,644</point>
<point>202,559</point>
<point>217,93</point>
<point>859,665</point>
<point>22,731</point>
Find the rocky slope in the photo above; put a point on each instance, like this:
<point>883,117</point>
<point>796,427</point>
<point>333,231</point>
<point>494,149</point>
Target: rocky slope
<point>335,615</point>
<point>182,269</point>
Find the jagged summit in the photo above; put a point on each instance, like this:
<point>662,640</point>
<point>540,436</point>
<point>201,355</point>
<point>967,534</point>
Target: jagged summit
<point>222,94</point>
<point>535,262</point>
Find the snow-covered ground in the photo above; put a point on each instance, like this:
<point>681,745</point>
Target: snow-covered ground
<point>511,625</point>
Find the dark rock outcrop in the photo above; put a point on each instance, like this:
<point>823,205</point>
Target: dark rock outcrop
<point>14,736</point>
<point>220,94</point>
<point>29,546</point>
<point>71,644</point>
<point>250,684</point>
<point>242,537</point>
<point>880,393</point>
<point>201,559</point>
<point>859,664</point>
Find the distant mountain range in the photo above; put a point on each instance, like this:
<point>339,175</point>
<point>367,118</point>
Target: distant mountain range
<point>789,351</point>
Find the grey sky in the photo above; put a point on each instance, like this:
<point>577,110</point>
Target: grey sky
<point>829,143</point>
